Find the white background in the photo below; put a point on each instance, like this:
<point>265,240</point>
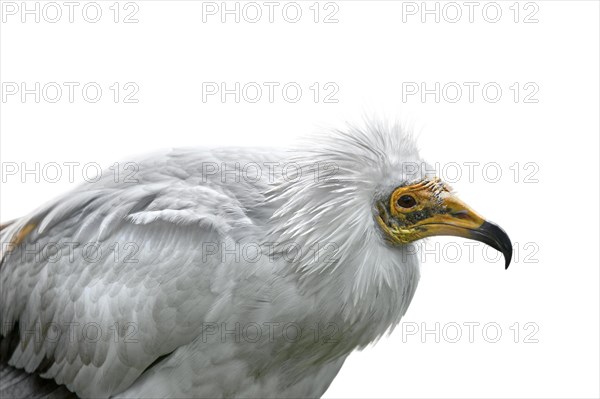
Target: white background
<point>372,54</point>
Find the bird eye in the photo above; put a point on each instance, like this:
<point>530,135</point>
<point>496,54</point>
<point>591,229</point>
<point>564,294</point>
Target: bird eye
<point>406,201</point>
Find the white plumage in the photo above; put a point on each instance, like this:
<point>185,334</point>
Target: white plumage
<point>183,290</point>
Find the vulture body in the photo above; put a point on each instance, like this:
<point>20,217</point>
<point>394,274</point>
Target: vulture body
<point>189,281</point>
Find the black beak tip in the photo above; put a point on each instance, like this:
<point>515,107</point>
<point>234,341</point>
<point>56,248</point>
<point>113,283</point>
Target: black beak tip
<point>497,238</point>
<point>507,251</point>
<point>507,258</point>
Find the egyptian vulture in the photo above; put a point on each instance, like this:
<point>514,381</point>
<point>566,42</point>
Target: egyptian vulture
<point>222,272</point>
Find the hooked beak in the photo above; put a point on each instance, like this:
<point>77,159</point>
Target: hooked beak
<point>461,221</point>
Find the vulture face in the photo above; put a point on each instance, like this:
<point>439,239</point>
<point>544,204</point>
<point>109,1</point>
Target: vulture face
<point>428,208</point>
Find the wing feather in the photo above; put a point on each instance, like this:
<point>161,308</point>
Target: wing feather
<point>112,276</point>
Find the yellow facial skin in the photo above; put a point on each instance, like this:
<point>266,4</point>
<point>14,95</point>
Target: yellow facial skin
<point>428,208</point>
